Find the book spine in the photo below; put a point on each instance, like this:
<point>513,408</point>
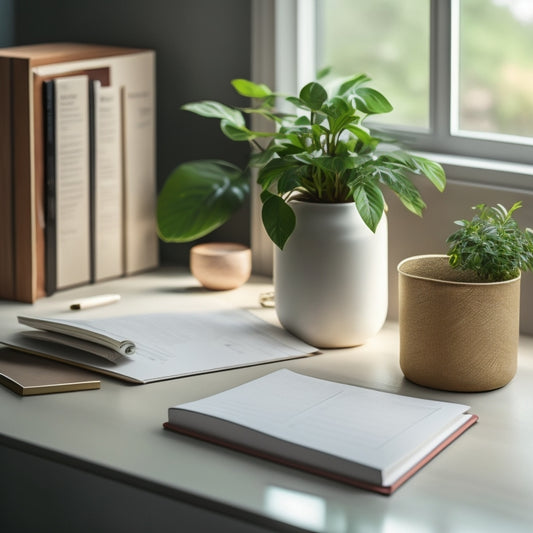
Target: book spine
<point>24,192</point>
<point>39,185</point>
<point>92,177</point>
<point>7,276</point>
<point>50,172</point>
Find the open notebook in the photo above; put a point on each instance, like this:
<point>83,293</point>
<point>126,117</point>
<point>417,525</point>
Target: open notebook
<point>152,347</point>
<point>371,439</point>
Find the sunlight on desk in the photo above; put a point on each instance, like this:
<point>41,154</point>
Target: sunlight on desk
<point>296,508</point>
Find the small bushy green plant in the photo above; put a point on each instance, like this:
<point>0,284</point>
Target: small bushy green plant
<point>492,244</point>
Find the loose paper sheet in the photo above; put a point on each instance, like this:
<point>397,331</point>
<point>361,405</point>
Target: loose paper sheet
<point>180,344</point>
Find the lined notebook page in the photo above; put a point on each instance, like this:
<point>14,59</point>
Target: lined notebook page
<point>362,425</point>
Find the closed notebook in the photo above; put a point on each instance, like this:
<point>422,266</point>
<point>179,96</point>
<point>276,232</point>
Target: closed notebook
<point>29,375</point>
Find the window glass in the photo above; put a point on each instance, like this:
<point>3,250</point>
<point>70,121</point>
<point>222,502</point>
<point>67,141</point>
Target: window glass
<point>495,77</point>
<point>386,39</point>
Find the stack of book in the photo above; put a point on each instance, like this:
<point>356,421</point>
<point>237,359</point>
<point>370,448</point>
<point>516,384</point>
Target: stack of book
<point>77,166</point>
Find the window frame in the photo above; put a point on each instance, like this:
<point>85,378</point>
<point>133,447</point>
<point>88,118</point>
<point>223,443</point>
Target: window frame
<point>294,28</point>
<point>444,52</point>
<point>440,137</point>
<point>281,33</point>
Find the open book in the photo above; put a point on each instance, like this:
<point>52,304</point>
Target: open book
<point>153,347</point>
<point>370,439</point>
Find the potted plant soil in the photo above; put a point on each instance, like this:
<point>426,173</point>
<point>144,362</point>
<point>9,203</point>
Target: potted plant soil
<point>321,173</point>
<point>459,313</point>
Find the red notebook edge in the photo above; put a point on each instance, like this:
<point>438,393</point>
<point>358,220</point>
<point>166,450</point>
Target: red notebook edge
<point>444,444</point>
<point>384,490</point>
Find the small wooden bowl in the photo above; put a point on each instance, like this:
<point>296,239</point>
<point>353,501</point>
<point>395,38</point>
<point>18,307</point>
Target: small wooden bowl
<point>221,265</point>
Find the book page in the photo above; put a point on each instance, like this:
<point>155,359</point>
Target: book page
<point>364,426</point>
<point>72,180</point>
<point>138,100</point>
<point>107,186</point>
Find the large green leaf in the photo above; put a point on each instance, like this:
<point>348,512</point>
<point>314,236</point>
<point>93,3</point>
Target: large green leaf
<point>337,107</point>
<point>297,102</point>
<point>198,197</point>
<point>290,180</point>
<point>339,114</point>
<point>279,219</point>
<point>250,89</point>
<point>371,101</point>
<point>399,159</point>
<point>240,133</point>
<point>369,202</point>
<point>236,133</point>
<point>302,121</point>
<point>273,170</point>
<point>363,134</point>
<point>313,95</point>
<point>210,109</point>
<point>264,112</point>
<point>260,159</point>
<point>336,165</point>
<point>402,186</point>
<point>432,170</point>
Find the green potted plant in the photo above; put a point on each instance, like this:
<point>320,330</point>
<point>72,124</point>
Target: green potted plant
<point>460,312</point>
<point>320,164</point>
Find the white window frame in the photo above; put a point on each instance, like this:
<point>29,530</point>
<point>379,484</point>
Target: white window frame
<point>281,33</point>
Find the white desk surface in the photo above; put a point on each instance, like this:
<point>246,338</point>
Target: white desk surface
<point>482,482</point>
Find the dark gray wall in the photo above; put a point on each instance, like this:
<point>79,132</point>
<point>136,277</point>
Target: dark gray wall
<point>7,22</point>
<point>201,46</point>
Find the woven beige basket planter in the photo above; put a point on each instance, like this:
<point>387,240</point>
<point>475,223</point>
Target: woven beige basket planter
<point>456,334</point>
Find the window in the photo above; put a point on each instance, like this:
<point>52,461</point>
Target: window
<point>494,72</point>
<point>458,72</point>
<point>386,39</point>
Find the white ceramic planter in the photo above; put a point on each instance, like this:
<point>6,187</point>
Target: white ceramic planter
<point>331,279</point>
